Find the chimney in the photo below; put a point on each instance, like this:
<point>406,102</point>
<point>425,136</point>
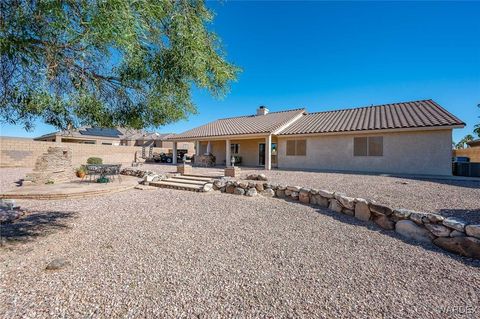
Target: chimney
<point>262,110</point>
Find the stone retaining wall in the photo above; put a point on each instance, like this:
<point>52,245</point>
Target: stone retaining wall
<point>451,234</point>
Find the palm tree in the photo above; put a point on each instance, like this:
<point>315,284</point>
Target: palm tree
<point>463,141</point>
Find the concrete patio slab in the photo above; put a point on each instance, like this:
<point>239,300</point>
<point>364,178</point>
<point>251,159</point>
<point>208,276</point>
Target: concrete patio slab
<point>73,189</point>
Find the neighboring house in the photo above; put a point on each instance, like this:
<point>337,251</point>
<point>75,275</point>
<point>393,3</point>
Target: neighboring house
<point>408,138</point>
<point>115,136</point>
<point>474,143</point>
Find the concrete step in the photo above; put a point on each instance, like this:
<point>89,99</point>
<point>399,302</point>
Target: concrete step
<point>202,176</point>
<point>185,181</point>
<point>194,178</point>
<point>175,185</point>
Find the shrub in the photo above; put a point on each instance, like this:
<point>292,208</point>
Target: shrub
<point>94,160</point>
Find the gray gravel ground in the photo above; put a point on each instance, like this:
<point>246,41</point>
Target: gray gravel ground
<point>445,196</point>
<point>169,253</point>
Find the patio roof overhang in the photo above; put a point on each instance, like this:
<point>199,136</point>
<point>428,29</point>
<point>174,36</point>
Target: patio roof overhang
<point>221,137</point>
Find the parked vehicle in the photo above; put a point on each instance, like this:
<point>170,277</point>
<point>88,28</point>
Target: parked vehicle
<point>166,158</point>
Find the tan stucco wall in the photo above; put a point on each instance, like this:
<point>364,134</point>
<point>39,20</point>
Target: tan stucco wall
<point>23,152</point>
<point>248,150</point>
<point>419,152</point>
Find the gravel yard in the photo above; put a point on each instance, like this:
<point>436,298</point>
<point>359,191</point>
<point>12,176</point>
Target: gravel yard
<point>173,253</point>
<point>447,197</point>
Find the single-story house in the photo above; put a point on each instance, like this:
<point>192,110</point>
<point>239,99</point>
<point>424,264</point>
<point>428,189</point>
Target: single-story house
<point>403,138</point>
<point>115,136</point>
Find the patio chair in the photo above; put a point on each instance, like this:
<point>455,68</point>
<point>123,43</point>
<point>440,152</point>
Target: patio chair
<point>113,170</point>
<point>93,171</point>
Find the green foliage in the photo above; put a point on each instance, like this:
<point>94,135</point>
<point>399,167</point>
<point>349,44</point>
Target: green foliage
<point>94,160</point>
<point>476,129</point>
<point>107,63</point>
<point>463,142</point>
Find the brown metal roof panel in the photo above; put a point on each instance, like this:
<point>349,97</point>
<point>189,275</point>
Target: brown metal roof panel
<point>416,114</point>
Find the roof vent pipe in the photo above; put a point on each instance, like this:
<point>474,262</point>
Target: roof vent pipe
<point>262,110</point>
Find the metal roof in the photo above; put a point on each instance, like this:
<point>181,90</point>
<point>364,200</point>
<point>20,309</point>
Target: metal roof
<point>250,124</point>
<point>415,114</point>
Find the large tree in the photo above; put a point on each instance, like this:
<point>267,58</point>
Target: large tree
<point>107,63</point>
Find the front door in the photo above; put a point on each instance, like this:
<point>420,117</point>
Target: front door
<point>261,154</point>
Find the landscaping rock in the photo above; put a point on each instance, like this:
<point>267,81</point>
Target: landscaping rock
<point>384,222</point>
<point>262,177</point>
<point>435,218</point>
<point>418,217</point>
<point>465,246</point>
<point>362,211</point>
<point>57,264</point>
<point>151,178</point>
<point>401,213</point>
<point>326,194</point>
<point>473,230</point>
<point>345,201</point>
<point>457,233</point>
<point>294,195</point>
<point>219,183</point>
<point>230,189</point>
<point>410,230</point>
<point>268,192</point>
<point>294,188</point>
<point>454,223</point>
<point>243,184</point>
<point>288,192</point>
<point>321,201</point>
<point>281,187</point>
<point>251,192</point>
<point>207,187</point>
<point>378,209</point>
<point>259,187</point>
<point>335,206</point>
<point>438,230</point>
<point>280,193</point>
<point>314,191</point>
<point>304,197</point>
<point>239,191</point>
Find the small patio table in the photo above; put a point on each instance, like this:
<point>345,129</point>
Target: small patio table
<point>104,170</point>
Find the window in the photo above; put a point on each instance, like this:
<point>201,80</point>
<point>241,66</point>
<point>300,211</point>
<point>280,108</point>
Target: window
<point>368,146</point>
<point>103,143</point>
<point>296,148</point>
<point>234,148</point>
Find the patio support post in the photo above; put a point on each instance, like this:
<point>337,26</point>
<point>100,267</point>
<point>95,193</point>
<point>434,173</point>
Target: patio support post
<point>197,147</point>
<point>209,148</point>
<point>174,156</point>
<point>228,154</point>
<point>268,152</point>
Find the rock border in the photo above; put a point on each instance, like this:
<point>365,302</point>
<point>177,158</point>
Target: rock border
<point>451,234</point>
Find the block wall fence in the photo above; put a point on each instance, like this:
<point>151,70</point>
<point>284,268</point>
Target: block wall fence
<point>23,152</point>
<point>472,152</point>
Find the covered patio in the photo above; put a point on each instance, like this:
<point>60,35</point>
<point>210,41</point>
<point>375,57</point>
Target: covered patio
<point>250,151</point>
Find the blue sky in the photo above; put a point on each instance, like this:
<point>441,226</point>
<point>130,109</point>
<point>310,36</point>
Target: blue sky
<point>326,56</point>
